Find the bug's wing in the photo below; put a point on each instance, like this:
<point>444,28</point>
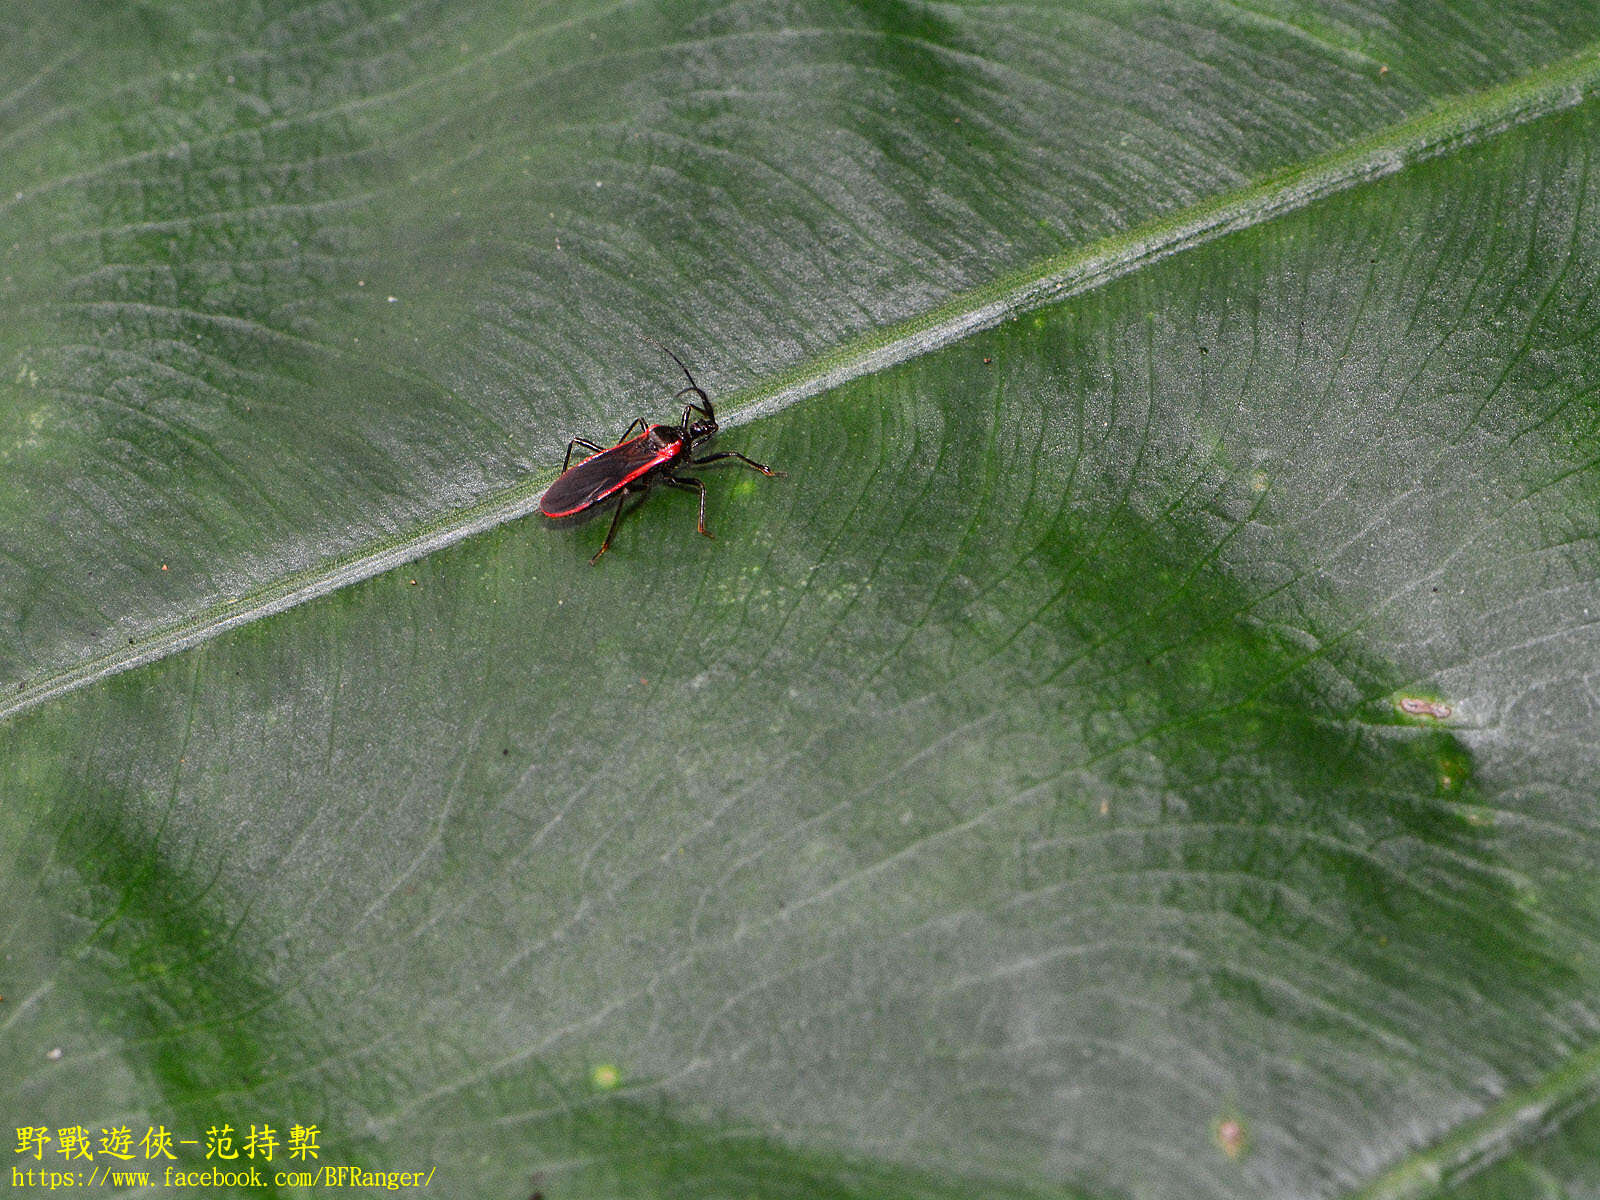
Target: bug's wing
<point>602,475</point>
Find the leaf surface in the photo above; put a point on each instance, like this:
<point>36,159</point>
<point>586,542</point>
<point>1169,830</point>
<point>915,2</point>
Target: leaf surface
<point>1143,748</point>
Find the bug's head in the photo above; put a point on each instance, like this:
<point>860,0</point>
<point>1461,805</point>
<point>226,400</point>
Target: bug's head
<point>694,431</point>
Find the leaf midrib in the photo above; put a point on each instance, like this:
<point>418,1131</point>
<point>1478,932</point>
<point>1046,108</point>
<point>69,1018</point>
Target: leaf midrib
<point>1480,1141</point>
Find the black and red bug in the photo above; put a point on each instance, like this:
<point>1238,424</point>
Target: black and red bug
<point>638,461</point>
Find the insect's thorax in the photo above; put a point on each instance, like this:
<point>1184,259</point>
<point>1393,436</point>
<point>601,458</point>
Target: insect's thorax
<point>663,436</point>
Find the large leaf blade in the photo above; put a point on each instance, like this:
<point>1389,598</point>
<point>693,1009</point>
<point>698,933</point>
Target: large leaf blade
<point>1067,778</point>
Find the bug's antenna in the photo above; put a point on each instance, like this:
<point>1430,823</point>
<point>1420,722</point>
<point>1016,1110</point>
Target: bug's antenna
<point>698,389</point>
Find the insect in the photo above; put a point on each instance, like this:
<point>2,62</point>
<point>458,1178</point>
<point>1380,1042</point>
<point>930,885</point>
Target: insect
<point>637,461</point>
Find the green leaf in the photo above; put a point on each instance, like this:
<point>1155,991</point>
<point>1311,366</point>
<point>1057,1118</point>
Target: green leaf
<point>1142,748</point>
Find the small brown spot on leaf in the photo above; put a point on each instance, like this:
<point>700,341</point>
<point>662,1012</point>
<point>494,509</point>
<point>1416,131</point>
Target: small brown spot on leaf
<point>1421,706</point>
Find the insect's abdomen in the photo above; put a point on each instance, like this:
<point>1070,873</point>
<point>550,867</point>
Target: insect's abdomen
<point>573,493</point>
<point>606,473</point>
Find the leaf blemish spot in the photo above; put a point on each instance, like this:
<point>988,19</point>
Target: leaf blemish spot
<point>605,1077</point>
<point>1230,1137</point>
<point>1421,706</point>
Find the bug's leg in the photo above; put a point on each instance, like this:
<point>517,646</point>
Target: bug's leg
<point>615,518</point>
<point>691,485</point>
<point>749,462</point>
<point>585,443</point>
<point>638,423</point>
